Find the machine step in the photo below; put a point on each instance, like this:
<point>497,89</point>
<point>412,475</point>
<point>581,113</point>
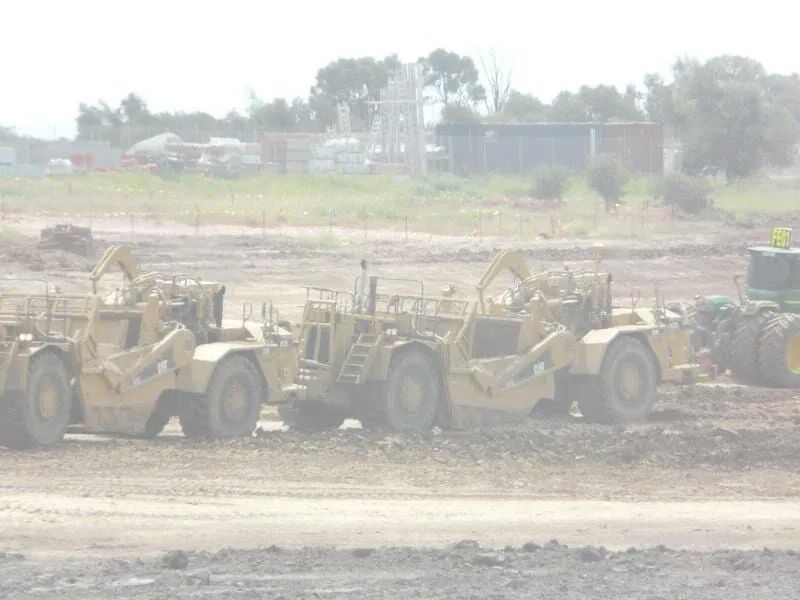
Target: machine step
<point>359,360</point>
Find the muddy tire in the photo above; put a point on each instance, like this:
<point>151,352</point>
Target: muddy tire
<point>744,355</point>
<point>413,393</point>
<point>626,387</point>
<point>40,415</point>
<point>310,417</point>
<point>779,351</point>
<point>231,405</point>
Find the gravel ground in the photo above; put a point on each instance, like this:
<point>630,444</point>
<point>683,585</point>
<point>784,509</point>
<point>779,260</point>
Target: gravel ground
<point>461,570</point>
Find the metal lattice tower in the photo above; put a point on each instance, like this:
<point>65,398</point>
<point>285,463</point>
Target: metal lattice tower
<point>398,126</point>
<point>343,119</point>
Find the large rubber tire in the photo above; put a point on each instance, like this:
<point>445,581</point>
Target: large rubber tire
<point>40,415</point>
<point>230,407</point>
<point>311,417</point>
<point>745,346</point>
<point>626,387</point>
<point>779,351</point>
<point>413,393</point>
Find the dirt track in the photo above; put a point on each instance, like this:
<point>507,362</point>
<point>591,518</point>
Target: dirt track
<point>714,473</point>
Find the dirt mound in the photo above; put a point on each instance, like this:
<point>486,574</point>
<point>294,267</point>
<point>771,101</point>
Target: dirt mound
<point>23,252</point>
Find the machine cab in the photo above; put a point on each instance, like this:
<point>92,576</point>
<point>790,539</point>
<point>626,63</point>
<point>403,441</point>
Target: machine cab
<point>774,272</point>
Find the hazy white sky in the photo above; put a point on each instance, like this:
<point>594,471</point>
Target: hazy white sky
<point>201,55</point>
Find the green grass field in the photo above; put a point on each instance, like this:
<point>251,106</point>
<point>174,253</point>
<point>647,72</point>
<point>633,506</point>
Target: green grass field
<point>439,204</point>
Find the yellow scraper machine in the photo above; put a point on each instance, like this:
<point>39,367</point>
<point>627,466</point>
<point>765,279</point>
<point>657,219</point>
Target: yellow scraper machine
<point>413,362</point>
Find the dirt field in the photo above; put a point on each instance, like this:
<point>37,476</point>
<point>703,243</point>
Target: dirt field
<point>699,491</point>
<point>276,263</point>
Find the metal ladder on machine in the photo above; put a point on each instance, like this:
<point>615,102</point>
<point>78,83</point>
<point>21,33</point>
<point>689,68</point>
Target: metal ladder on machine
<point>309,366</point>
<point>359,360</point>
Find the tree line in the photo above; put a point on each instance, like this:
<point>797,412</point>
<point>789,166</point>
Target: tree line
<point>730,114</point>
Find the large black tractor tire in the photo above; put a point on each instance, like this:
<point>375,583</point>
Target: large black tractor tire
<point>413,393</point>
<point>626,387</point>
<point>230,407</point>
<point>744,354</point>
<point>310,417</point>
<point>39,416</point>
<point>779,351</point>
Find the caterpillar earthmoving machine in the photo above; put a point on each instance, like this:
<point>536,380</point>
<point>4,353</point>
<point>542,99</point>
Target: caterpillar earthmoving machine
<point>67,237</point>
<point>127,361</point>
<point>412,362</point>
<point>758,336</point>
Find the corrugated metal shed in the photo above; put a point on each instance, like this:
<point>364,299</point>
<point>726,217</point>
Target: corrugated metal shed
<point>8,156</point>
<point>520,148</point>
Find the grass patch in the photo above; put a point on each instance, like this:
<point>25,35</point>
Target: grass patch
<point>749,196</point>
<point>442,204</point>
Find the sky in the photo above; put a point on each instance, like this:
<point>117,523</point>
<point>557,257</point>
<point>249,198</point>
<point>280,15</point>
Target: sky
<point>202,55</point>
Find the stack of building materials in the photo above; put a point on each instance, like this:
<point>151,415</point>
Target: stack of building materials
<point>288,152</point>
<point>340,155</point>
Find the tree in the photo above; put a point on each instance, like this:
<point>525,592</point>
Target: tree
<point>658,104</point>
<point>731,116</point>
<point>597,104</point>
<point>550,182</point>
<point>99,122</point>
<point>304,116</point>
<point>273,116</point>
<point>235,121</point>
<point>132,121</point>
<point>568,107</point>
<point>523,108</point>
<point>458,113</point>
<point>723,115</point>
<point>607,177</point>
<point>280,115</point>
<point>498,82</point>
<point>688,193</point>
<point>354,81</point>
<point>134,110</point>
<point>453,78</point>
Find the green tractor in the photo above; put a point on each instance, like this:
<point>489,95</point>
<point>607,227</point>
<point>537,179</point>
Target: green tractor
<point>758,337</point>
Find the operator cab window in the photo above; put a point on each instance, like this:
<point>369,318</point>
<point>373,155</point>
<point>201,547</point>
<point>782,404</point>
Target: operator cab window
<point>773,272</point>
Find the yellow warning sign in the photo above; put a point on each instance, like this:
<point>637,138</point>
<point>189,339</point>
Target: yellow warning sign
<point>782,237</point>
